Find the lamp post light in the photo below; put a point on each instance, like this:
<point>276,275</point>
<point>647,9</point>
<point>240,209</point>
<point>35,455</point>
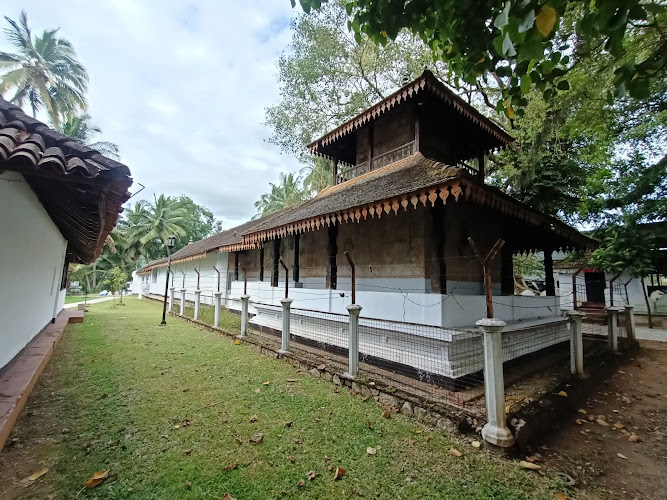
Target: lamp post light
<point>171,241</point>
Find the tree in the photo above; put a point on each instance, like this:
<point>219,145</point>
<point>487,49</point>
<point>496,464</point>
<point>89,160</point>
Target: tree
<point>117,282</point>
<point>287,193</point>
<point>515,42</point>
<point>83,130</point>
<point>202,223</point>
<point>151,224</point>
<point>44,72</point>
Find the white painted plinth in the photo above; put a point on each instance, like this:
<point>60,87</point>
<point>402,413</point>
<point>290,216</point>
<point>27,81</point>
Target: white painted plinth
<point>182,312</point>
<point>197,302</point>
<point>284,348</point>
<point>353,343</point>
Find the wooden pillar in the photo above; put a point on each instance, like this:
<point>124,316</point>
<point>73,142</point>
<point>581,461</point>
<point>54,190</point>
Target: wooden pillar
<point>236,266</point>
<point>335,172</point>
<point>295,271</point>
<point>332,251</point>
<point>506,271</point>
<point>371,134</point>
<point>418,106</point>
<point>276,259</point>
<point>438,268</point>
<point>549,272</point>
<point>261,263</point>
<point>481,170</point>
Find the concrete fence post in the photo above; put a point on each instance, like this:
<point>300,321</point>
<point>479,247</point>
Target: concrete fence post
<point>630,323</point>
<point>182,312</point>
<point>171,298</point>
<point>353,345</point>
<point>244,314</point>
<point>612,328</point>
<point>141,292</point>
<point>216,319</point>
<point>197,302</point>
<point>576,343</point>
<point>495,431</point>
<point>286,302</point>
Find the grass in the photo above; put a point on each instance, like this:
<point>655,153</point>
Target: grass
<point>70,299</point>
<point>119,389</point>
<point>228,320</point>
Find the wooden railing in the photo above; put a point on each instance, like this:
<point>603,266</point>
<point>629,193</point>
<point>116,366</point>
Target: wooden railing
<point>396,154</point>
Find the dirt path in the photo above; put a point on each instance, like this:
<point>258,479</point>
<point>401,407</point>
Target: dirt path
<point>601,458</point>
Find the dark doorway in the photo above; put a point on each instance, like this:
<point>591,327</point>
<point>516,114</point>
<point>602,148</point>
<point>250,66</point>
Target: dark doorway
<point>595,285</point>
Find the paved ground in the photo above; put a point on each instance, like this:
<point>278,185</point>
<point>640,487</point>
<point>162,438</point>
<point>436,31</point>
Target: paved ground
<point>646,333</point>
<point>89,301</point>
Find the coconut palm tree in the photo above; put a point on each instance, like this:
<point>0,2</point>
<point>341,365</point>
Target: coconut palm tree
<point>287,193</point>
<point>44,72</point>
<point>151,224</point>
<point>84,131</point>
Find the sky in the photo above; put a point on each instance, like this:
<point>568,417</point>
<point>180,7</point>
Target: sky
<point>181,88</point>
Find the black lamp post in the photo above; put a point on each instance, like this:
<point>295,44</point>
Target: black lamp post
<point>171,241</point>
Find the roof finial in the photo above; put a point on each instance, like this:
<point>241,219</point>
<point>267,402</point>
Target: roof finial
<point>190,242</point>
<point>406,78</point>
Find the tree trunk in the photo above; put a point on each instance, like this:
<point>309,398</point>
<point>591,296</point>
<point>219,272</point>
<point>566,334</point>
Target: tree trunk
<point>648,305</point>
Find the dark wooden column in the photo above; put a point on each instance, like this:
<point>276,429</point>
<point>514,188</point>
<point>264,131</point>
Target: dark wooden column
<point>332,251</point>
<point>261,263</point>
<point>549,272</point>
<point>276,261</point>
<point>295,271</point>
<point>335,171</point>
<point>481,172</point>
<point>236,266</point>
<point>506,270</point>
<point>438,266</point>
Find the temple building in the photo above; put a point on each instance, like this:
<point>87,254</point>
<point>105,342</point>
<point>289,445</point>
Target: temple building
<point>408,194</point>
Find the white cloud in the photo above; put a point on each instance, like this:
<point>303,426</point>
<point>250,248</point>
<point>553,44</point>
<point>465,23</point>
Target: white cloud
<point>181,87</point>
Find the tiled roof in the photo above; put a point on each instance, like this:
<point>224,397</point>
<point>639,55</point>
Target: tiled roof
<point>82,190</point>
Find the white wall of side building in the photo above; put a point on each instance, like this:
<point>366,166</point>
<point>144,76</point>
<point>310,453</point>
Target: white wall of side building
<point>32,257</point>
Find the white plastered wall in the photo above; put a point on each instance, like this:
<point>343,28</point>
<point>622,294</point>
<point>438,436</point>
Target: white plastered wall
<point>32,254</point>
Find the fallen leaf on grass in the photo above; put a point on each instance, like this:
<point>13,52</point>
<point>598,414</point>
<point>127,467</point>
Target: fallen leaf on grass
<point>292,380</point>
<point>561,496</point>
<point>253,418</point>
<point>620,455</point>
<point>326,458</point>
<point>340,472</point>
<point>186,423</point>
<point>418,431</point>
<point>288,424</point>
<point>292,459</point>
<point>188,485</point>
<point>529,465</point>
<point>97,478</point>
<point>311,475</point>
<point>38,474</point>
<point>301,483</point>
<point>386,414</point>
<point>237,341</point>
<point>227,496</point>
<point>330,468</point>
<point>257,439</point>
<point>257,391</point>
<point>187,452</point>
<point>455,453</point>
<point>476,444</point>
<point>298,441</point>
<point>232,467</point>
<point>563,393</point>
<point>429,439</point>
<point>238,440</point>
<point>603,423</point>
<point>507,409</point>
<point>411,442</point>
<point>369,425</point>
<point>532,458</point>
<point>266,382</point>
<point>634,438</point>
<point>371,451</point>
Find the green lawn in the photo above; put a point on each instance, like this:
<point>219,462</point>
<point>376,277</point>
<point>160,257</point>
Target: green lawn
<point>70,299</point>
<point>162,408</point>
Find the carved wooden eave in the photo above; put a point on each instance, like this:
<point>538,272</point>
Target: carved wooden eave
<point>449,191</point>
<point>427,81</point>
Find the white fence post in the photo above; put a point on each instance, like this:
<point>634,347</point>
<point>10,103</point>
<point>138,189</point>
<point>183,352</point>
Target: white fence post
<point>576,343</point>
<point>244,314</point>
<point>612,328</point>
<point>630,323</point>
<point>495,431</point>
<point>171,298</point>
<point>141,292</point>
<point>182,301</point>
<point>216,320</point>
<point>353,344</point>
<point>197,301</point>
<point>286,302</point>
